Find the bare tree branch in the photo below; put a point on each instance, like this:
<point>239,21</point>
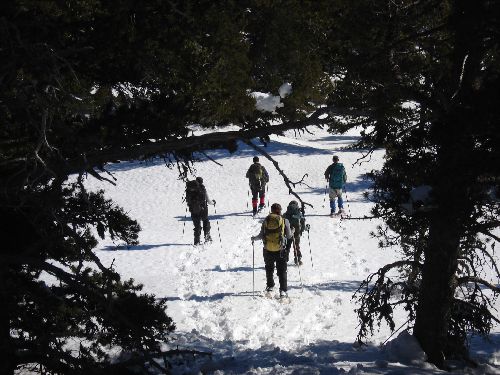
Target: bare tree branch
<point>288,183</point>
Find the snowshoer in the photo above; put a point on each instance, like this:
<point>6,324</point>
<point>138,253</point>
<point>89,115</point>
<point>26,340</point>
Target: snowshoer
<point>297,221</point>
<point>336,177</point>
<point>257,178</point>
<point>197,200</point>
<point>275,231</point>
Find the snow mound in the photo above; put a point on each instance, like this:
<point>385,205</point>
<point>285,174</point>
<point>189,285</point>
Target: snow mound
<point>405,349</point>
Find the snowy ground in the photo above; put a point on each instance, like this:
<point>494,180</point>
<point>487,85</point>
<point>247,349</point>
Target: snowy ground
<point>209,287</point>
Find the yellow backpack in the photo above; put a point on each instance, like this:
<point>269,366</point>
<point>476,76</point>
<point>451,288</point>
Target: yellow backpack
<point>274,232</point>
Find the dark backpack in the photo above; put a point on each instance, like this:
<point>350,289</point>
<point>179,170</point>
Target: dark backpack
<point>294,215</point>
<point>195,196</point>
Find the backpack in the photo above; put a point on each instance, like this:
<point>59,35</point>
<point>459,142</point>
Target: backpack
<point>274,232</point>
<point>195,197</point>
<point>256,176</point>
<point>337,176</point>
<point>294,215</point>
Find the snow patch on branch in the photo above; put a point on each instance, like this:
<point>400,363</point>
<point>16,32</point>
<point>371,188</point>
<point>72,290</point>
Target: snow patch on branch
<point>267,102</point>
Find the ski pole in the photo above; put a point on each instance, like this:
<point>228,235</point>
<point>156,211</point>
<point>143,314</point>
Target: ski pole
<point>267,193</point>
<point>253,269</point>
<point>308,227</point>
<point>347,201</point>
<point>184,224</point>
<point>218,228</point>
<point>248,196</point>
<point>324,196</point>
<point>298,263</point>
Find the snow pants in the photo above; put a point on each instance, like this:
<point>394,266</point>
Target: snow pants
<point>200,218</point>
<point>258,193</point>
<point>278,257</point>
<point>335,193</point>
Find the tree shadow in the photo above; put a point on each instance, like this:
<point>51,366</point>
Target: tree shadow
<point>341,286</point>
<point>141,247</point>
<point>325,357</point>
<point>275,148</point>
<point>209,298</point>
<point>234,269</point>
<point>216,216</point>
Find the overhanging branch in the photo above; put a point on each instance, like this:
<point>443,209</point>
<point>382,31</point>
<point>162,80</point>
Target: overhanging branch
<point>197,143</point>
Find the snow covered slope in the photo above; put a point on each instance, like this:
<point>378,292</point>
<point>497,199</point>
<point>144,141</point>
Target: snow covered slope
<point>209,287</point>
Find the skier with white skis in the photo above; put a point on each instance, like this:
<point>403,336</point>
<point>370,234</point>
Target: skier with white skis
<point>257,178</point>
<point>336,177</point>
<point>297,221</point>
<point>197,200</point>
<point>274,233</point>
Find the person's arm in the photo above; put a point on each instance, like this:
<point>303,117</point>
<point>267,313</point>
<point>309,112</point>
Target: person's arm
<point>288,231</point>
<point>266,175</point>
<point>327,172</point>
<point>260,235</point>
<point>209,201</point>
<point>248,172</point>
<point>345,177</point>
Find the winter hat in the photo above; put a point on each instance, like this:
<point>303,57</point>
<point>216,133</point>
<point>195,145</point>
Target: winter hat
<point>293,203</point>
<point>335,158</point>
<point>199,179</point>
<point>255,159</point>
<point>276,208</point>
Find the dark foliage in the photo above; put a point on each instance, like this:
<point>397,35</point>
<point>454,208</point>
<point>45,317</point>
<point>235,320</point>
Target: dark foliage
<point>428,72</point>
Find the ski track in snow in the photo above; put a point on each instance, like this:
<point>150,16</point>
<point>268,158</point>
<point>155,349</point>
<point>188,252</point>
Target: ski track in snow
<point>208,287</point>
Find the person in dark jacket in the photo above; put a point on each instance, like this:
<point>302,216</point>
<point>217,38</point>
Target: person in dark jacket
<point>257,178</point>
<point>297,221</point>
<point>275,231</point>
<point>336,177</point>
<point>198,201</point>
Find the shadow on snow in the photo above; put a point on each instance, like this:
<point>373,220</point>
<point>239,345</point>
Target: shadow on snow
<point>141,247</point>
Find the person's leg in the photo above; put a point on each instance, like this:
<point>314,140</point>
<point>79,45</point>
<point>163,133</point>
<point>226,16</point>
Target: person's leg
<point>281,268</point>
<point>297,243</point>
<point>269,264</point>
<point>333,206</point>
<point>341,201</point>
<point>255,193</point>
<point>262,196</point>
<point>206,225</point>
<point>197,227</point>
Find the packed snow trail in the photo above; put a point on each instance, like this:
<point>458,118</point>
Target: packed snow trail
<point>209,287</point>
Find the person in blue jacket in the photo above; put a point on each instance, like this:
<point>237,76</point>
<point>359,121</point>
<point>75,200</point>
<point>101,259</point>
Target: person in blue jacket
<point>336,177</point>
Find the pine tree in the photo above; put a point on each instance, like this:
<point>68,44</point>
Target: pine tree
<point>426,74</point>
<point>85,83</point>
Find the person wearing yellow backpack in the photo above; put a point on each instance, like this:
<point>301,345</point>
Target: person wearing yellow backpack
<point>274,233</point>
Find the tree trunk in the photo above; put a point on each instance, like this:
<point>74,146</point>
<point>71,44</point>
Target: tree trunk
<point>8,364</point>
<point>454,177</point>
<point>435,301</point>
